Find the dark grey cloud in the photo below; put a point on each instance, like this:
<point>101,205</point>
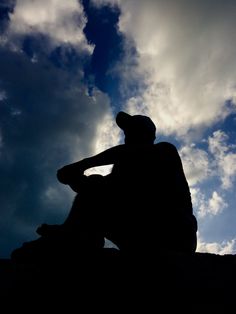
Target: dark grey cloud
<point>46,120</point>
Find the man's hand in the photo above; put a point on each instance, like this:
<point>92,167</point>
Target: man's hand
<point>66,174</point>
<point>75,179</point>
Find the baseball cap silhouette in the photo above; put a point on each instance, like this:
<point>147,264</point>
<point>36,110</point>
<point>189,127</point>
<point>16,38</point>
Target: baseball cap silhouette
<point>136,123</point>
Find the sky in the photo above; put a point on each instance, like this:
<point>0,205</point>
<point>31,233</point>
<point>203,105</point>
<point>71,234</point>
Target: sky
<point>68,67</point>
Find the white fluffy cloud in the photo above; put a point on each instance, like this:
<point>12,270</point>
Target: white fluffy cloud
<point>216,203</point>
<point>217,163</point>
<point>62,21</point>
<point>196,164</point>
<point>226,247</point>
<point>225,157</point>
<point>204,206</point>
<point>186,52</point>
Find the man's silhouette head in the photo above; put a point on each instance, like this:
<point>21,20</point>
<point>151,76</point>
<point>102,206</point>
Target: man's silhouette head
<point>138,129</point>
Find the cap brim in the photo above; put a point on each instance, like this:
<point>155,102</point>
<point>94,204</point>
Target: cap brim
<point>123,120</point>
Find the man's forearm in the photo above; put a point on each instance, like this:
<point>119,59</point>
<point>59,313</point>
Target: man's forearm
<point>109,156</point>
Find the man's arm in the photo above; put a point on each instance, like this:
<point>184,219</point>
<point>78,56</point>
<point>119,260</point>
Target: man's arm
<point>69,172</point>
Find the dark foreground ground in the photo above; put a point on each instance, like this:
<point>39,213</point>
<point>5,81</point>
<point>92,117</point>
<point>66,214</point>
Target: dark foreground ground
<point>111,282</point>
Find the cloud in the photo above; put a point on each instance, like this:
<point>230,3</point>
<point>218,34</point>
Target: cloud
<point>61,21</point>
<point>225,157</point>
<point>214,205</point>
<point>196,164</point>
<point>47,120</point>
<point>186,53</point>
<point>2,95</point>
<point>208,167</point>
<point>226,247</point>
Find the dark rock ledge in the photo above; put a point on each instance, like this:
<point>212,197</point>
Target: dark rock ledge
<point>110,280</point>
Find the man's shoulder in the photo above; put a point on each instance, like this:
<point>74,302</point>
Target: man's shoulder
<point>167,150</point>
<point>168,153</point>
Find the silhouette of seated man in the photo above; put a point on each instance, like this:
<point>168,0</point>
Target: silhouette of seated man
<point>144,203</point>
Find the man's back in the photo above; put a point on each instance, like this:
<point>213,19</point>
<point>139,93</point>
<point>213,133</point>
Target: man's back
<point>152,197</point>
